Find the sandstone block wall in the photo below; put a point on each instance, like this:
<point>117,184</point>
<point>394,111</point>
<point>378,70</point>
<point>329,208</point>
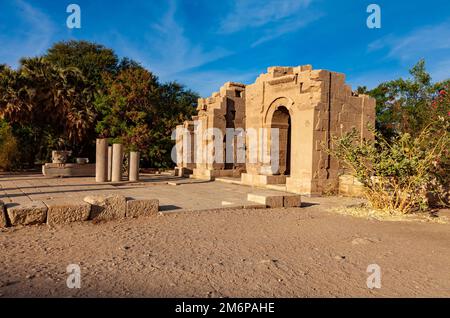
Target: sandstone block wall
<point>320,105</point>
<point>307,107</point>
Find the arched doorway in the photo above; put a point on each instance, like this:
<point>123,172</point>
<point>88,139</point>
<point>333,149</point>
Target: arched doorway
<point>282,120</point>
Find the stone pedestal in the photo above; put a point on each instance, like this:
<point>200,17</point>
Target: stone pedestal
<point>134,166</point>
<point>101,164</point>
<point>60,156</point>
<point>117,159</point>
<point>68,170</point>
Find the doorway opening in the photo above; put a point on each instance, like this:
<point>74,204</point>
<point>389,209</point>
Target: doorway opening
<point>282,120</point>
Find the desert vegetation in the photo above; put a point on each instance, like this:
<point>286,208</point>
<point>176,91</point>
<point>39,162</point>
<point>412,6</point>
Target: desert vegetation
<point>406,167</point>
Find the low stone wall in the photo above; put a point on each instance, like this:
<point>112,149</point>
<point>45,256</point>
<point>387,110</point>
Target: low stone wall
<point>350,186</point>
<point>54,212</point>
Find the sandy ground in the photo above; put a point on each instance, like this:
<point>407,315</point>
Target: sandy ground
<point>298,252</point>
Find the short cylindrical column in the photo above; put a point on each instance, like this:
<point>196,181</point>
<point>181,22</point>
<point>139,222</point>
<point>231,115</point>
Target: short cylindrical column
<point>134,166</point>
<point>110,157</point>
<point>116,175</point>
<point>101,164</point>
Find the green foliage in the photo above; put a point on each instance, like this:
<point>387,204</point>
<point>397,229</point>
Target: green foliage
<point>53,102</point>
<point>8,146</point>
<point>399,173</point>
<point>90,58</point>
<point>404,105</point>
<point>140,112</point>
<point>61,100</point>
<point>409,161</point>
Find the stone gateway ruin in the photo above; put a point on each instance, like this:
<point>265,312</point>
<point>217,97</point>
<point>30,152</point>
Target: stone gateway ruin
<point>296,109</point>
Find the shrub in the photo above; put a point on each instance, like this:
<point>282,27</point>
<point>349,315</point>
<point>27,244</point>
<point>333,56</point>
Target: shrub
<point>8,146</point>
<point>398,174</point>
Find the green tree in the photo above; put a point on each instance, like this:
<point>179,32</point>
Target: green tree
<point>79,89</point>
<point>140,112</point>
<point>90,58</point>
<point>8,145</point>
<point>128,106</point>
<point>55,103</point>
<point>404,105</point>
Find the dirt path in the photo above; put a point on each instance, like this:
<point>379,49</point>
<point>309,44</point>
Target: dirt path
<point>299,252</point>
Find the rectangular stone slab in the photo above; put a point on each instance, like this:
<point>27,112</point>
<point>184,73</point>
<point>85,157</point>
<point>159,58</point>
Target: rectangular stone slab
<point>107,207</point>
<point>64,211</point>
<point>3,222</point>
<point>34,212</point>
<point>270,200</point>
<point>139,207</point>
<point>292,201</point>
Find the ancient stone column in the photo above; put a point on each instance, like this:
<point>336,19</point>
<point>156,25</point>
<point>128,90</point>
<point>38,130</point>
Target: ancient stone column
<point>101,164</point>
<point>117,159</point>
<point>134,166</point>
<point>110,157</point>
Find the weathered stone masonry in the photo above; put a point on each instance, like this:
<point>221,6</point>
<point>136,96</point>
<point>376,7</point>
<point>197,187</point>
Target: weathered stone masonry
<point>307,106</point>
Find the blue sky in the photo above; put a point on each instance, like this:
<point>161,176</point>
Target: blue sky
<point>204,43</point>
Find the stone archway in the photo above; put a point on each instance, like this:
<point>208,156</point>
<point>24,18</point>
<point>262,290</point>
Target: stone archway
<point>281,120</point>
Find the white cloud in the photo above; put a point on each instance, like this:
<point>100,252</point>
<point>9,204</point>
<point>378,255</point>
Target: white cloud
<point>441,70</point>
<point>372,79</point>
<point>431,43</point>
<point>167,50</point>
<point>287,27</point>
<point>269,19</point>
<point>34,41</point>
<point>207,82</point>
<point>257,13</point>
<point>415,44</point>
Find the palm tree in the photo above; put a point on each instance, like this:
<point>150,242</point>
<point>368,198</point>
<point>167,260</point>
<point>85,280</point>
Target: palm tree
<point>55,101</point>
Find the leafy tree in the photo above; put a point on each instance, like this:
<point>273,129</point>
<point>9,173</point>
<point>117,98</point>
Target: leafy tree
<point>79,89</point>
<point>56,103</point>
<point>140,112</point>
<point>127,63</point>
<point>404,105</point>
<point>90,58</point>
<point>175,105</point>
<point>409,160</point>
<point>8,145</point>
<point>128,106</point>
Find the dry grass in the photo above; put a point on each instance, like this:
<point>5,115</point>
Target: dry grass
<point>381,215</point>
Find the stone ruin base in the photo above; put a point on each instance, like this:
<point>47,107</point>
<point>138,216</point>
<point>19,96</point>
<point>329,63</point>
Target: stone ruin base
<point>260,180</point>
<point>183,172</point>
<point>349,186</point>
<point>68,170</point>
<point>54,212</point>
<point>207,174</point>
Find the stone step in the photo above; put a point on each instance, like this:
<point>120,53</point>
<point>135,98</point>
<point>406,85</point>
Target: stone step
<point>277,187</point>
<point>275,200</point>
<point>62,211</point>
<point>30,213</point>
<point>229,180</point>
<point>141,207</point>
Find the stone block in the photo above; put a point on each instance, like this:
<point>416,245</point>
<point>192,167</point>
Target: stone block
<point>30,213</point>
<point>270,200</point>
<point>292,201</point>
<point>107,207</point>
<point>3,222</point>
<point>68,170</point>
<point>65,211</point>
<point>139,207</point>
